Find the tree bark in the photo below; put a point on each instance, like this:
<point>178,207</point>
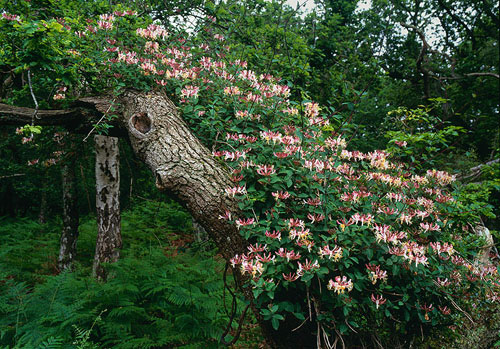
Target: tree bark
<point>107,170</point>
<point>69,234</point>
<point>42,213</point>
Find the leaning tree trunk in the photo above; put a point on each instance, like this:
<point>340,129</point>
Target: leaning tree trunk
<point>107,170</point>
<point>69,235</point>
<point>186,169</point>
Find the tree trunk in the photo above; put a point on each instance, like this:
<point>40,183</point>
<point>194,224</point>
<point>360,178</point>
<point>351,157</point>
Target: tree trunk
<point>69,235</point>
<point>186,170</point>
<point>107,170</point>
<point>42,214</point>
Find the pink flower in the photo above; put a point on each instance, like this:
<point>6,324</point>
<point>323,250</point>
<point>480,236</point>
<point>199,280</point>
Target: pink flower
<point>307,266</point>
<point>281,195</point>
<point>231,192</point>
<point>295,222</point>
<point>317,217</point>
<point>335,253</point>
<point>378,300</point>
<point>190,91</point>
<point>290,277</point>
<point>10,17</point>
<point>274,234</point>
<point>340,285</point>
<point>104,25</point>
<point>226,216</point>
<point>257,247</point>
<point>266,170</point>
<point>244,222</point>
<point>444,310</point>
<point>376,273</point>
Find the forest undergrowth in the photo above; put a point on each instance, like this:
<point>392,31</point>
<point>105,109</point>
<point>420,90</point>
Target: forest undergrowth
<point>166,291</point>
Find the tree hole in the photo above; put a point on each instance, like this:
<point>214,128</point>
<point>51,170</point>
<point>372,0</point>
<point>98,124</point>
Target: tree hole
<point>141,122</point>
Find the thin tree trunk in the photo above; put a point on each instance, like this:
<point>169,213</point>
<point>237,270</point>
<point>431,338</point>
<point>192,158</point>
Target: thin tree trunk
<point>42,214</point>
<point>107,170</point>
<point>69,235</point>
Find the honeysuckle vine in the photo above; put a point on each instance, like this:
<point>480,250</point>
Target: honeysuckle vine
<point>353,233</point>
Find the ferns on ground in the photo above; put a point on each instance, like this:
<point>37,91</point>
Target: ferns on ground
<point>152,300</point>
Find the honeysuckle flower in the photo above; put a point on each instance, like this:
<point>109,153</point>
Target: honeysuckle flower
<point>340,285</point>
<point>274,234</point>
<point>231,192</point>
<point>104,25</point>
<point>290,277</point>
<point>227,216</point>
<point>269,135</point>
<point>378,300</point>
<point>429,226</point>
<point>311,109</point>
<point>235,260</point>
<point>190,91</point>
<point>257,247</point>
<point>281,195</point>
<point>289,255</point>
<point>307,266</point>
<point>232,90</point>
<point>242,222</point>
<point>444,310</point>
<point>299,234</point>
<point>316,217</point>
<point>443,283</point>
<point>427,309</point>
<point>313,202</point>
<point>334,253</point>
<point>252,267</point>
<point>281,155</point>
<point>266,170</point>
<point>376,273</point>
<point>265,258</point>
<point>442,177</point>
<point>444,248</point>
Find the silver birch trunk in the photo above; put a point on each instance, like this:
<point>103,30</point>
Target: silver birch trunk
<point>107,170</point>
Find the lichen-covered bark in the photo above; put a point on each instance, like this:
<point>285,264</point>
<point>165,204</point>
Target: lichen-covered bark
<point>107,170</point>
<point>69,234</point>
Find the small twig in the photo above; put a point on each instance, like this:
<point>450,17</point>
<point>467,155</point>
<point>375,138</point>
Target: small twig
<point>309,304</point>
<point>100,120</point>
<point>302,324</point>
<point>318,335</point>
<point>463,311</point>
<point>326,339</point>
<point>13,175</point>
<point>341,338</point>
<point>348,325</point>
<point>34,100</point>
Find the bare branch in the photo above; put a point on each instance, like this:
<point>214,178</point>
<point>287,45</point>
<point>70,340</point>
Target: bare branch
<point>476,171</point>
<point>80,119</point>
